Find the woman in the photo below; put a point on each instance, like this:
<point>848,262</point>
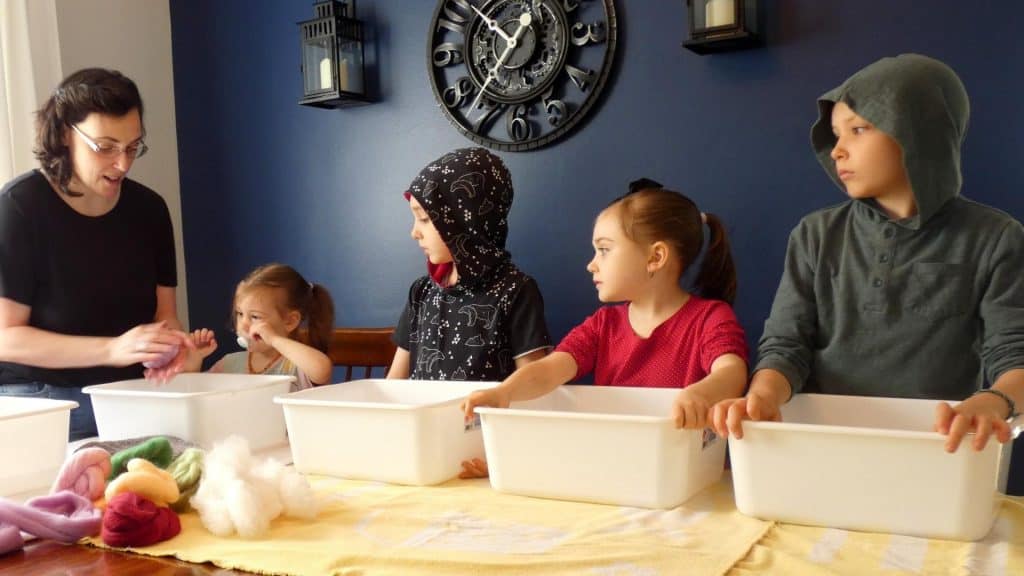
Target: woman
<point>87,265</point>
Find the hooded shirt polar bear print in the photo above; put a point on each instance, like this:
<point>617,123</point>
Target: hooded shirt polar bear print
<point>475,329</point>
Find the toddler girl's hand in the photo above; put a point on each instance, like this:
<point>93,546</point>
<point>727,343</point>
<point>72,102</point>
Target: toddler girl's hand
<point>496,397</point>
<point>262,331</point>
<point>983,414</point>
<point>205,342</point>
<point>691,410</point>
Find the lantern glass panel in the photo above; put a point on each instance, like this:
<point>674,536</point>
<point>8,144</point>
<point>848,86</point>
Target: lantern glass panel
<point>714,13</point>
<point>350,65</point>
<point>317,58</point>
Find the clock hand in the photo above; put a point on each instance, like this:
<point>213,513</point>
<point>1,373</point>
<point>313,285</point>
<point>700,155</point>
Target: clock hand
<point>524,22</point>
<point>492,25</point>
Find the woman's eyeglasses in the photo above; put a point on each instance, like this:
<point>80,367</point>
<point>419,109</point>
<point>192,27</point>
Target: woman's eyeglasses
<point>134,150</point>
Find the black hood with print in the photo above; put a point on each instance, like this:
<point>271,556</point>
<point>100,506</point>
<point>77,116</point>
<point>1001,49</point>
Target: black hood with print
<point>467,193</point>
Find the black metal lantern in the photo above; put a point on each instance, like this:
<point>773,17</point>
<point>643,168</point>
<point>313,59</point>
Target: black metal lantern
<point>332,56</point>
<point>720,25</point>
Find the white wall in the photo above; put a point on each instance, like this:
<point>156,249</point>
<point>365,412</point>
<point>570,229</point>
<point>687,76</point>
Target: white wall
<point>134,36</point>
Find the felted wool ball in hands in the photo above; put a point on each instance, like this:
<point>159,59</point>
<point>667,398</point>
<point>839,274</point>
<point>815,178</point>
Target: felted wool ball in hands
<point>164,358</point>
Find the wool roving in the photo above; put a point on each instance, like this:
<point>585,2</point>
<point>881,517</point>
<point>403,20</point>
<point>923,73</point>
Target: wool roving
<point>131,520</point>
<point>85,473</point>
<point>146,480</point>
<point>241,493</point>
<point>157,450</point>
<point>186,470</point>
<point>64,516</point>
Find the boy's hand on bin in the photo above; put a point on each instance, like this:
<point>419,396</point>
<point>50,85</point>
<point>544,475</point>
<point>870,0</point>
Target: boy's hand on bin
<point>727,416</point>
<point>982,414</point>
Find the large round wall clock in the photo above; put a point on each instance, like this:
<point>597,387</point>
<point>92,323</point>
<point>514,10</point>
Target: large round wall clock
<point>519,74</point>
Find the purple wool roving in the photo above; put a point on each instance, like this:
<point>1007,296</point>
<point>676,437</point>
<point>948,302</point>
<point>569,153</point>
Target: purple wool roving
<point>164,358</point>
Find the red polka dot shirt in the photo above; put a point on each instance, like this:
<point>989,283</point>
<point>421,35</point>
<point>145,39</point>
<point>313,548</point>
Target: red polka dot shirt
<point>678,352</point>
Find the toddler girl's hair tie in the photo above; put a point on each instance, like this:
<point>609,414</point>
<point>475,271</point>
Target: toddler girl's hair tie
<point>704,218</point>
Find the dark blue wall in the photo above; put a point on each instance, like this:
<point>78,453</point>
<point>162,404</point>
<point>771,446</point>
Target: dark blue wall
<point>263,178</point>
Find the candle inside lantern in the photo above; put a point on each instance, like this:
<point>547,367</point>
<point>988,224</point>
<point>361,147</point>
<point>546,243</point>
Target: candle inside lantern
<point>325,74</point>
<point>343,66</point>
<point>719,13</point>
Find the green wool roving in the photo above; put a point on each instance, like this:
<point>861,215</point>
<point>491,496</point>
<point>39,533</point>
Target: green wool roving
<point>157,450</point>
<point>186,470</point>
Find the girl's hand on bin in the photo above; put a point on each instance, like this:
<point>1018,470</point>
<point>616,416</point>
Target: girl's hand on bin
<point>496,397</point>
<point>982,414</point>
<point>691,410</point>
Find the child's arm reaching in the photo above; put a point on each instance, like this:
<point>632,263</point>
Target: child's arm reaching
<point>313,363</point>
<point>399,365</point>
<point>727,379</point>
<point>531,381</point>
<point>983,413</point>
<point>205,344</point>
<point>769,389</point>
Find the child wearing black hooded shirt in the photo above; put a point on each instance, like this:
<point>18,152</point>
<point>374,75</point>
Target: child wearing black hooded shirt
<point>475,316</point>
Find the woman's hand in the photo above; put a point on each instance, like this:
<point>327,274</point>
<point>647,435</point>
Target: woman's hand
<point>691,410</point>
<point>145,343</point>
<point>496,397</point>
<point>983,414</point>
<point>151,343</point>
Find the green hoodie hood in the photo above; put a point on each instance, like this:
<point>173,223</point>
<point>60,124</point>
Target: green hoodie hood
<point>919,102</point>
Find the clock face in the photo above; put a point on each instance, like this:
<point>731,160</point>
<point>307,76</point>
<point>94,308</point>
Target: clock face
<point>519,74</point>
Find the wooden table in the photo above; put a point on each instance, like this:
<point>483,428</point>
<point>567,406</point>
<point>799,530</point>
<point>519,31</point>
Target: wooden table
<point>44,557</point>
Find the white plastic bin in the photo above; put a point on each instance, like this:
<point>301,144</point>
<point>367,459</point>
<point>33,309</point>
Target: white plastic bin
<point>399,431</point>
<point>35,441</point>
<point>870,464</point>
<point>199,407</point>
<point>604,444</point>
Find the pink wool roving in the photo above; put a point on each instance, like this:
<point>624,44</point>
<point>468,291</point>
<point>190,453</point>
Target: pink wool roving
<point>64,516</point>
<point>85,473</point>
<point>164,358</point>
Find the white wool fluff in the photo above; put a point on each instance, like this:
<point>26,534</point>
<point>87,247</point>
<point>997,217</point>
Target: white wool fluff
<point>240,493</point>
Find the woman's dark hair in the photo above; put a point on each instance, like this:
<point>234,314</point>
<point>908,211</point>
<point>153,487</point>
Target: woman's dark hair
<point>80,94</point>
<point>650,213</point>
<point>313,301</point>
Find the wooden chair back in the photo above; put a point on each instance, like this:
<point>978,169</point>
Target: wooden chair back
<point>360,350</point>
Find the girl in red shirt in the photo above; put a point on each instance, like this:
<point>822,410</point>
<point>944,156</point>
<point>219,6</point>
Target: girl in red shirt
<point>660,335</point>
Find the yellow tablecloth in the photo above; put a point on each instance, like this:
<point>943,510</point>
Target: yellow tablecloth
<point>798,550</point>
<point>464,527</point>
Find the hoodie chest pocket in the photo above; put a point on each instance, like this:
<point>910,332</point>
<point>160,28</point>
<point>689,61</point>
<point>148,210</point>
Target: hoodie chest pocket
<point>936,290</point>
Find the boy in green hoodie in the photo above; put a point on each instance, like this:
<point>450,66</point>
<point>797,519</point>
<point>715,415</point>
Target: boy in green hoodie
<point>907,289</point>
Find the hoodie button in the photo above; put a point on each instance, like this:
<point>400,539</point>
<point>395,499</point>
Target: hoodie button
<point>877,282</point>
<point>889,233</point>
<point>883,258</point>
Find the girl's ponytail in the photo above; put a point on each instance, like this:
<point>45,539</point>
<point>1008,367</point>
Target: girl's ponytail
<point>717,276</point>
<point>320,317</point>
